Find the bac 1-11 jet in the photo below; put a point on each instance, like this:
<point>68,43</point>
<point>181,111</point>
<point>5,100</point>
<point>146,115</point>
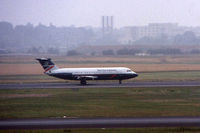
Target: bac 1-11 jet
<point>84,74</point>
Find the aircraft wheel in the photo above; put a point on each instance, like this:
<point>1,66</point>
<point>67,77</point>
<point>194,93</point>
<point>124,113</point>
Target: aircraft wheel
<point>120,81</point>
<point>83,82</point>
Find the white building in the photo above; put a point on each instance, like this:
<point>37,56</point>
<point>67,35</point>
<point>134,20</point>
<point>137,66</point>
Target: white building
<point>155,30</point>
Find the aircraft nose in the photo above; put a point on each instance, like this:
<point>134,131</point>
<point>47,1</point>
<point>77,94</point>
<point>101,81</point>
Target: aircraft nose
<point>135,74</point>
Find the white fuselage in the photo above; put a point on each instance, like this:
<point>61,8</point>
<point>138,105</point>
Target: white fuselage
<point>103,73</point>
<point>91,71</point>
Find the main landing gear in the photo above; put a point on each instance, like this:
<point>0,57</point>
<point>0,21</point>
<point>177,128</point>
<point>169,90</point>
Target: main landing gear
<point>120,81</point>
<point>83,82</point>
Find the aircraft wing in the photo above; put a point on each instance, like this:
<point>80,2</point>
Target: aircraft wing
<point>86,77</point>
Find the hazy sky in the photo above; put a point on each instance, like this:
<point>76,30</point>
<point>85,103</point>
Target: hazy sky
<point>89,12</point>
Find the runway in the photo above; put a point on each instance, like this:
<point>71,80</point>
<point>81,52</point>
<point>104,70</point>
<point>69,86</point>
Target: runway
<point>100,85</point>
<point>60,123</point>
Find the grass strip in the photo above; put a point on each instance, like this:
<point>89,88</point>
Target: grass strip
<point>100,102</point>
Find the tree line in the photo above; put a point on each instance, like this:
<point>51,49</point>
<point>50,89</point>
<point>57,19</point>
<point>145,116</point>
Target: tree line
<point>42,37</point>
<point>52,39</point>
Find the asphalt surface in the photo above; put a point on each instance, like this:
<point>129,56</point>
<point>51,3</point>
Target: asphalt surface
<point>56,123</point>
<point>99,85</point>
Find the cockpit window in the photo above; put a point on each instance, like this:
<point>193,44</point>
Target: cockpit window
<point>128,70</point>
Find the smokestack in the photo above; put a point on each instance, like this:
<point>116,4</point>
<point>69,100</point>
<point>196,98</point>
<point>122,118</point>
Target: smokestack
<point>107,24</point>
<point>103,25</point>
<point>111,21</point>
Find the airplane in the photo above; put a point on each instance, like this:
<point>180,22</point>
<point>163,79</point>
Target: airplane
<point>84,74</point>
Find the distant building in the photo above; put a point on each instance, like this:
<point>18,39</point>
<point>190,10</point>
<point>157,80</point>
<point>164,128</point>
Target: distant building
<point>130,34</point>
<point>126,35</point>
<point>155,29</point>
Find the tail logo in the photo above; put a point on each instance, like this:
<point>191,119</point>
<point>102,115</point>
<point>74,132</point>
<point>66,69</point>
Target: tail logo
<point>48,69</point>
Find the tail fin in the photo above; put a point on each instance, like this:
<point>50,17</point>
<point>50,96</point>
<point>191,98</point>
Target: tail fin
<point>47,64</point>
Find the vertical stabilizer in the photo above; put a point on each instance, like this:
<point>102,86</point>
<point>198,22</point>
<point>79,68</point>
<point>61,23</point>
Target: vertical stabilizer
<point>47,64</point>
